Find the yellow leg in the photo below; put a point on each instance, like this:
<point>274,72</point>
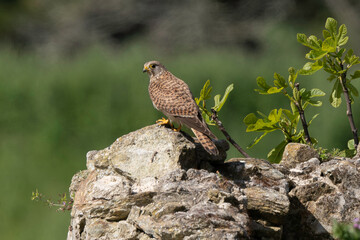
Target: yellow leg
<point>177,129</point>
<point>163,121</point>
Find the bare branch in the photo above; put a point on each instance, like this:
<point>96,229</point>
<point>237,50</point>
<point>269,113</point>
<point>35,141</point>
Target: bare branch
<point>302,116</point>
<point>226,134</point>
<point>348,106</point>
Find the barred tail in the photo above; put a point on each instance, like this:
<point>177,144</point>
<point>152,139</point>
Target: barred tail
<point>206,142</point>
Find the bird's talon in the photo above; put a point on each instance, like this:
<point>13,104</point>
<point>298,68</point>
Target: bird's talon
<point>177,129</point>
<point>163,121</point>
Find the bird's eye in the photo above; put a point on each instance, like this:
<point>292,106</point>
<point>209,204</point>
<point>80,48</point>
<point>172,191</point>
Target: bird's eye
<point>152,66</point>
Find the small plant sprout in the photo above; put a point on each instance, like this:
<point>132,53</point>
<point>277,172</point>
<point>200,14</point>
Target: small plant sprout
<point>63,203</point>
<point>347,231</point>
<point>211,117</point>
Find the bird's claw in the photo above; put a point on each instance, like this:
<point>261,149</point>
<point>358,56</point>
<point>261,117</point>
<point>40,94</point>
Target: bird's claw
<point>163,121</point>
<point>177,129</point>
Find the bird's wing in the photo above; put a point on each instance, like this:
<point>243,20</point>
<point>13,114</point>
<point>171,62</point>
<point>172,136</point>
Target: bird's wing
<point>173,97</point>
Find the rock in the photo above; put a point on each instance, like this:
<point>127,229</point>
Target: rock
<point>267,204</point>
<point>266,191</point>
<point>242,198</point>
<point>150,150</point>
<point>192,204</point>
<point>323,193</point>
<point>295,153</point>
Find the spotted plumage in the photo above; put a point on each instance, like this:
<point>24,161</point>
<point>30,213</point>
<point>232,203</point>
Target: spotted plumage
<point>172,96</point>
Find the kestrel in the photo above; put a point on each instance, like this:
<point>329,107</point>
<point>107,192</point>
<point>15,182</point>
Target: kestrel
<point>172,96</point>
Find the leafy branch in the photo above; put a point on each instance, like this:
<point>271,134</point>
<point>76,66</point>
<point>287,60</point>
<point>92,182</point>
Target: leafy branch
<point>328,54</point>
<point>211,117</point>
<point>284,120</point>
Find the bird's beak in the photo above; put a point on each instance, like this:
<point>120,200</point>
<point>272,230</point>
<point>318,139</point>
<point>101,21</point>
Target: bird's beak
<point>145,69</point>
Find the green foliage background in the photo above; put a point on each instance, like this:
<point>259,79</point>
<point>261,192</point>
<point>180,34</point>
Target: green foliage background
<point>53,112</point>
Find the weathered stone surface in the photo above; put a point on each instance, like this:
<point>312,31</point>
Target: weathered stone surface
<point>295,153</point>
<point>192,204</point>
<point>242,198</point>
<point>267,204</point>
<point>150,150</point>
<point>323,193</point>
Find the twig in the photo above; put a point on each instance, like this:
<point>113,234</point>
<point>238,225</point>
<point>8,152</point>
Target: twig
<point>348,106</point>
<point>302,116</point>
<point>226,134</point>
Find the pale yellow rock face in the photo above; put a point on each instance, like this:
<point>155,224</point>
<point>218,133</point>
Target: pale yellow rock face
<point>295,153</point>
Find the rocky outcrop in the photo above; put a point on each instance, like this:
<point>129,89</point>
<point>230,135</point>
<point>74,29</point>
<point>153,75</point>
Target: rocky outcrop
<point>155,183</point>
<point>322,193</point>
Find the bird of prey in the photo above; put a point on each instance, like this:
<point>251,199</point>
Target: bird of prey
<point>172,97</point>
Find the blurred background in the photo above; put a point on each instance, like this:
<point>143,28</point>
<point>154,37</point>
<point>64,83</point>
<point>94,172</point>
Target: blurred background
<point>71,81</point>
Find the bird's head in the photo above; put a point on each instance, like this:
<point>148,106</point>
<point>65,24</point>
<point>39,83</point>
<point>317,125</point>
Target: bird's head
<point>153,68</point>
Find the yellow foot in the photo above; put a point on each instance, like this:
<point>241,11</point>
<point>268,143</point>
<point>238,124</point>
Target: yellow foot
<point>177,129</point>
<point>163,121</point>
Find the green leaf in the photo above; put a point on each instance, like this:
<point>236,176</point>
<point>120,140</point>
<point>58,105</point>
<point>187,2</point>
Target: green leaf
<point>335,97</point>
<point>220,104</point>
<point>217,99</point>
<point>343,41</point>
<point>207,119</point>
<point>273,90</point>
<point>330,70</point>
<point>311,42</point>
<point>314,42</point>
<point>326,34</point>
<point>331,25</point>
<point>250,119</point>
<point>266,124</point>
<point>354,60</point>
<point>331,77</point>
<point>256,140</point>
<point>292,76</point>
<point>352,89</point>
<point>275,115</point>
<point>351,144</point>
<point>279,81</point>
<point>312,119</point>
<point>274,156</point>
<point>315,54</point>
<point>293,107</point>
<point>260,81</point>
<point>261,125</point>
<point>314,103</point>
<point>329,45</point>
<point>341,37</point>
<point>302,39</point>
<point>340,53</point>
<point>205,92</point>
<point>296,94</point>
<point>293,117</point>
<point>348,55</point>
<point>315,92</point>
<point>261,114</point>
<point>310,68</point>
<point>356,74</point>
<point>197,100</point>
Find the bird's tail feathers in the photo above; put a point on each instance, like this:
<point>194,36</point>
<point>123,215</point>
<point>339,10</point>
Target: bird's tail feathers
<point>206,142</point>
